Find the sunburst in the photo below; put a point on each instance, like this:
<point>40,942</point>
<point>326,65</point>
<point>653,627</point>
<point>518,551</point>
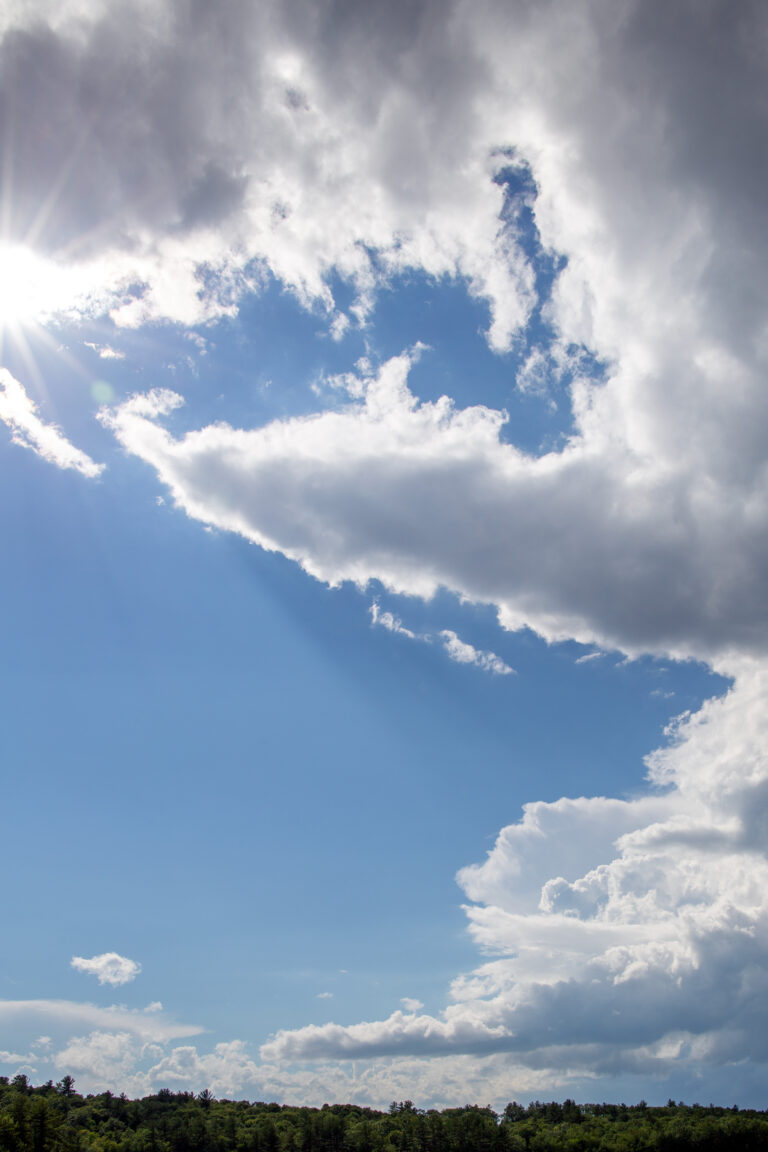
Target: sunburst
<point>32,288</point>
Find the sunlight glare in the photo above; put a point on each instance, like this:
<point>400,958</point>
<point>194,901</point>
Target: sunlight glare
<point>31,287</point>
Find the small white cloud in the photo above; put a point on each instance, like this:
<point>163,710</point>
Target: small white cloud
<point>105,351</point>
<point>411,1004</point>
<point>391,623</point>
<point>536,373</point>
<point>324,996</point>
<point>339,325</point>
<point>200,343</point>
<point>109,967</point>
<point>20,414</point>
<point>464,653</point>
<point>456,648</point>
<point>589,656</point>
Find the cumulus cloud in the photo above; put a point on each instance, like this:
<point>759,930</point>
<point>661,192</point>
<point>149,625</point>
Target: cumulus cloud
<point>111,1056</point>
<point>241,134</point>
<point>21,415</point>
<point>232,122</point>
<point>120,1060</point>
<point>109,968</point>
<point>14,1057</point>
<point>624,936</point>
<point>411,1004</point>
<point>591,542</point>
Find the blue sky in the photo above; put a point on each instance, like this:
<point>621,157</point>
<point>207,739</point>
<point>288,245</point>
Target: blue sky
<point>384,577</point>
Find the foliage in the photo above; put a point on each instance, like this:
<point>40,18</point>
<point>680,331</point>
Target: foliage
<point>55,1118</point>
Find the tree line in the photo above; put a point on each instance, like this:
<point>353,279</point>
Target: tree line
<point>55,1118</point>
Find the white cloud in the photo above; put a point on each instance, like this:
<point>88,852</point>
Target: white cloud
<point>624,936</point>
<point>411,1004</point>
<point>120,1061</point>
<point>105,351</point>
<point>590,543</point>
<point>391,622</point>
<point>109,967</point>
<point>458,650</point>
<point>463,653</point>
<point>109,1056</point>
<point>21,415</point>
<point>67,1015</point>
<point>324,996</point>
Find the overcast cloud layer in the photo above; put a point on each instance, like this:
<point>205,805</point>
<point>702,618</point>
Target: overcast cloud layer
<point>624,936</point>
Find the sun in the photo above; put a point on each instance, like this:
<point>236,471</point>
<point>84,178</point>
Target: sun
<point>31,288</point>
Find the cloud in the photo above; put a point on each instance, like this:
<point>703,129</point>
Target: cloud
<point>109,968</point>
<point>118,1060</point>
<point>463,653</point>
<point>306,142</point>
<point>147,1025</point>
<point>458,650</point>
<point>391,623</point>
<point>111,1056</point>
<point>200,181</point>
<point>105,351</point>
<point>324,996</point>
<point>21,416</point>
<point>586,543</point>
<point>411,1004</point>
<point>623,936</point>
<point>655,249</point>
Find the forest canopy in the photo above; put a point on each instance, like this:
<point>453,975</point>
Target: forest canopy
<point>56,1118</point>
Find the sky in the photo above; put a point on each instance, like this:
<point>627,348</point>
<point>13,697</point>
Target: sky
<point>383,428</point>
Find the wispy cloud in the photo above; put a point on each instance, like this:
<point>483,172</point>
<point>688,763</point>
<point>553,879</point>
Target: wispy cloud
<point>457,650</point>
<point>463,653</point>
<point>21,415</point>
<point>392,623</point>
<point>105,351</point>
<point>70,1015</point>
